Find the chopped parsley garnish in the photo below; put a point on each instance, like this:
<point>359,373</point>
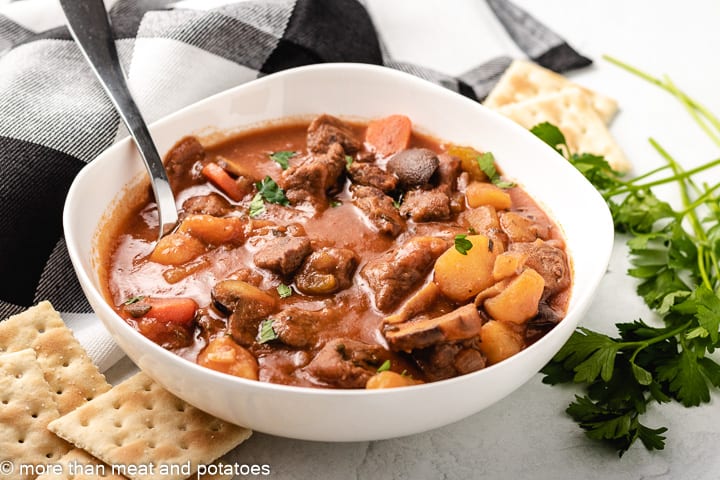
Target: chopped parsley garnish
<point>266,333</point>
<point>282,158</point>
<point>257,206</point>
<point>398,202</point>
<point>271,192</point>
<point>335,203</point>
<point>134,299</point>
<point>472,231</point>
<point>384,367</point>
<point>675,255</point>
<point>284,291</point>
<point>348,160</point>
<point>486,162</point>
<point>462,244</point>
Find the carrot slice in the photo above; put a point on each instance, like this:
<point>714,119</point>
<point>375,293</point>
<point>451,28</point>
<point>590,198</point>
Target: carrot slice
<point>389,135</point>
<point>179,310</point>
<point>221,179</point>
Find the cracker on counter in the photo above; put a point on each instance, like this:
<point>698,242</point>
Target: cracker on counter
<point>140,423</point>
<point>27,406</point>
<point>77,464</point>
<point>571,111</point>
<point>72,376</point>
<point>524,80</point>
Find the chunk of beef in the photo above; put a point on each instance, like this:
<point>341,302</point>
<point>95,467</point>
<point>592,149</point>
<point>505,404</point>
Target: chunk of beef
<point>426,205</point>
<point>550,262</point>
<point>414,167</point>
<point>326,271</point>
<point>247,304</point>
<point>447,360</point>
<point>283,255</point>
<point>372,176</point>
<point>522,228</point>
<point>395,274</point>
<point>449,169</point>
<point>180,159</point>
<point>379,210</point>
<point>327,130</point>
<point>545,320</point>
<point>310,180</point>
<point>461,324</point>
<point>212,204</point>
<point>297,327</point>
<point>346,363</point>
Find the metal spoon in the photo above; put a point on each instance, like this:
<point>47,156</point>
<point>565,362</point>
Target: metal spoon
<point>90,27</point>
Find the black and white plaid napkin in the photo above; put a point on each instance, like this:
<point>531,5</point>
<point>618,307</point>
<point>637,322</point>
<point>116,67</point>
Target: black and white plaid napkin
<point>54,117</point>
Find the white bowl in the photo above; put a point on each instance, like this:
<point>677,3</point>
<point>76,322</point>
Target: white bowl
<point>358,91</point>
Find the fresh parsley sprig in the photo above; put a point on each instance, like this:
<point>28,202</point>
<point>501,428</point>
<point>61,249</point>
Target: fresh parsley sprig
<point>486,162</point>
<point>462,244</point>
<point>268,191</point>
<point>674,256</point>
<point>282,158</point>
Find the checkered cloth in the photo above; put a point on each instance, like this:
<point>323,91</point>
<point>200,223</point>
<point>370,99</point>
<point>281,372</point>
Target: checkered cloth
<point>55,118</point>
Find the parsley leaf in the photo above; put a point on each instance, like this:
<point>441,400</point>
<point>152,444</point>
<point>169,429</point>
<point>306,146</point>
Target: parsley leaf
<point>266,332</point>
<point>282,158</point>
<point>271,192</point>
<point>348,161</point>
<point>284,291</point>
<point>675,255</point>
<point>134,299</point>
<point>462,244</point>
<point>384,367</point>
<point>550,134</point>
<point>486,162</point>
<point>257,206</point>
<point>335,203</point>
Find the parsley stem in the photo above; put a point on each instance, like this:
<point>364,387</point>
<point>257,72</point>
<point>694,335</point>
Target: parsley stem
<point>641,344</point>
<point>673,178</point>
<point>646,174</point>
<point>676,93</point>
<point>692,214</point>
<point>692,109</point>
<point>699,201</point>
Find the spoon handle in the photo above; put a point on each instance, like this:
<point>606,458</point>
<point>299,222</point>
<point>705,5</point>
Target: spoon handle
<point>89,25</point>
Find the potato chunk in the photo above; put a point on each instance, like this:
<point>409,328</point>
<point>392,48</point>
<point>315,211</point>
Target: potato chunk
<point>508,264</point>
<point>481,193</point>
<point>176,249</point>
<point>499,341</point>
<point>390,379</point>
<point>461,277</point>
<point>213,230</point>
<point>224,355</point>
<point>519,301</point>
